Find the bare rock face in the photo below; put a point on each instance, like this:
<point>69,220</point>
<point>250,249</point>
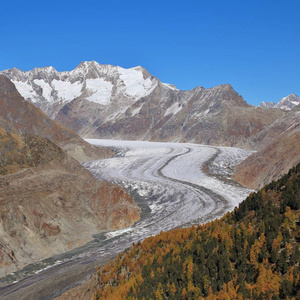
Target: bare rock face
<point>279,151</point>
<point>216,116</point>
<point>104,101</point>
<point>20,116</point>
<point>50,204</point>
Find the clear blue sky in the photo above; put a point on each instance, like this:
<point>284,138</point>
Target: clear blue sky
<point>253,45</point>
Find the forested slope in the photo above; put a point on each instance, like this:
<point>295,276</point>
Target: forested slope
<point>251,253</point>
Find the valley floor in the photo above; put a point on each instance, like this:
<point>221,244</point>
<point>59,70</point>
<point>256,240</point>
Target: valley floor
<point>168,183</point>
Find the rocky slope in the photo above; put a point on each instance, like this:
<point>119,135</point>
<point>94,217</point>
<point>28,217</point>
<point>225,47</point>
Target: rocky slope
<point>49,203</point>
<point>216,116</point>
<point>278,152</point>
<point>20,116</point>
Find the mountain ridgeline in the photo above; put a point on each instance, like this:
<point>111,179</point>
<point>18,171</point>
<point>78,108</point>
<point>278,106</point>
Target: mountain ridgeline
<point>105,101</point>
<point>251,253</point>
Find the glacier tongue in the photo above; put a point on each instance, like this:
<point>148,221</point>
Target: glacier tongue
<point>170,177</point>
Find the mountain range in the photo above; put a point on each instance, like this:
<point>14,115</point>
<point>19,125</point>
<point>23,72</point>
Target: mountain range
<point>105,101</point>
<point>46,195</point>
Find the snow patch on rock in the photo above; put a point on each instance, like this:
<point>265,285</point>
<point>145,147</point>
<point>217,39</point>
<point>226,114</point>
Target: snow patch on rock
<point>66,90</point>
<point>135,83</point>
<point>45,87</point>
<point>173,109</point>
<point>26,91</point>
<point>101,90</point>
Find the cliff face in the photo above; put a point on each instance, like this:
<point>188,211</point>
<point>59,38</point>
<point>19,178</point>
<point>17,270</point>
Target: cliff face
<point>50,204</point>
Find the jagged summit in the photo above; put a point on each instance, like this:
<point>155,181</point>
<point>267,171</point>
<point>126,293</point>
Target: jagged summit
<point>109,101</point>
<point>264,104</point>
<point>286,103</point>
<point>50,90</point>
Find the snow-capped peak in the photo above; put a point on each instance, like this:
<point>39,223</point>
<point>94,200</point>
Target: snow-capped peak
<point>286,103</point>
<point>90,80</point>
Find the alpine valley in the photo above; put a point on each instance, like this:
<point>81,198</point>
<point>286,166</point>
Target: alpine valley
<point>94,159</point>
<point>110,102</point>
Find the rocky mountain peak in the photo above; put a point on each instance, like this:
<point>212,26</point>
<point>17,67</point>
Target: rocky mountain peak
<point>87,64</point>
<point>91,69</point>
<point>228,87</point>
<point>264,104</point>
<point>286,103</point>
<point>226,93</point>
<point>289,102</point>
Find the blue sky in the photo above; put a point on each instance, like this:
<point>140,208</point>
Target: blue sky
<point>253,45</point>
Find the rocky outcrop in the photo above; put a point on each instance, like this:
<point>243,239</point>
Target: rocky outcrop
<point>279,151</point>
<point>50,204</point>
<point>266,104</point>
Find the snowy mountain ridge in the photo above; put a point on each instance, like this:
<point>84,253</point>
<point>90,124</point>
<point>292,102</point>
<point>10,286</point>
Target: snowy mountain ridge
<point>286,103</point>
<point>105,101</point>
<point>50,90</point>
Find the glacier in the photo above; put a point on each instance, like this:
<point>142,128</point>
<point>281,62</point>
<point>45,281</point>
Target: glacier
<point>175,185</point>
